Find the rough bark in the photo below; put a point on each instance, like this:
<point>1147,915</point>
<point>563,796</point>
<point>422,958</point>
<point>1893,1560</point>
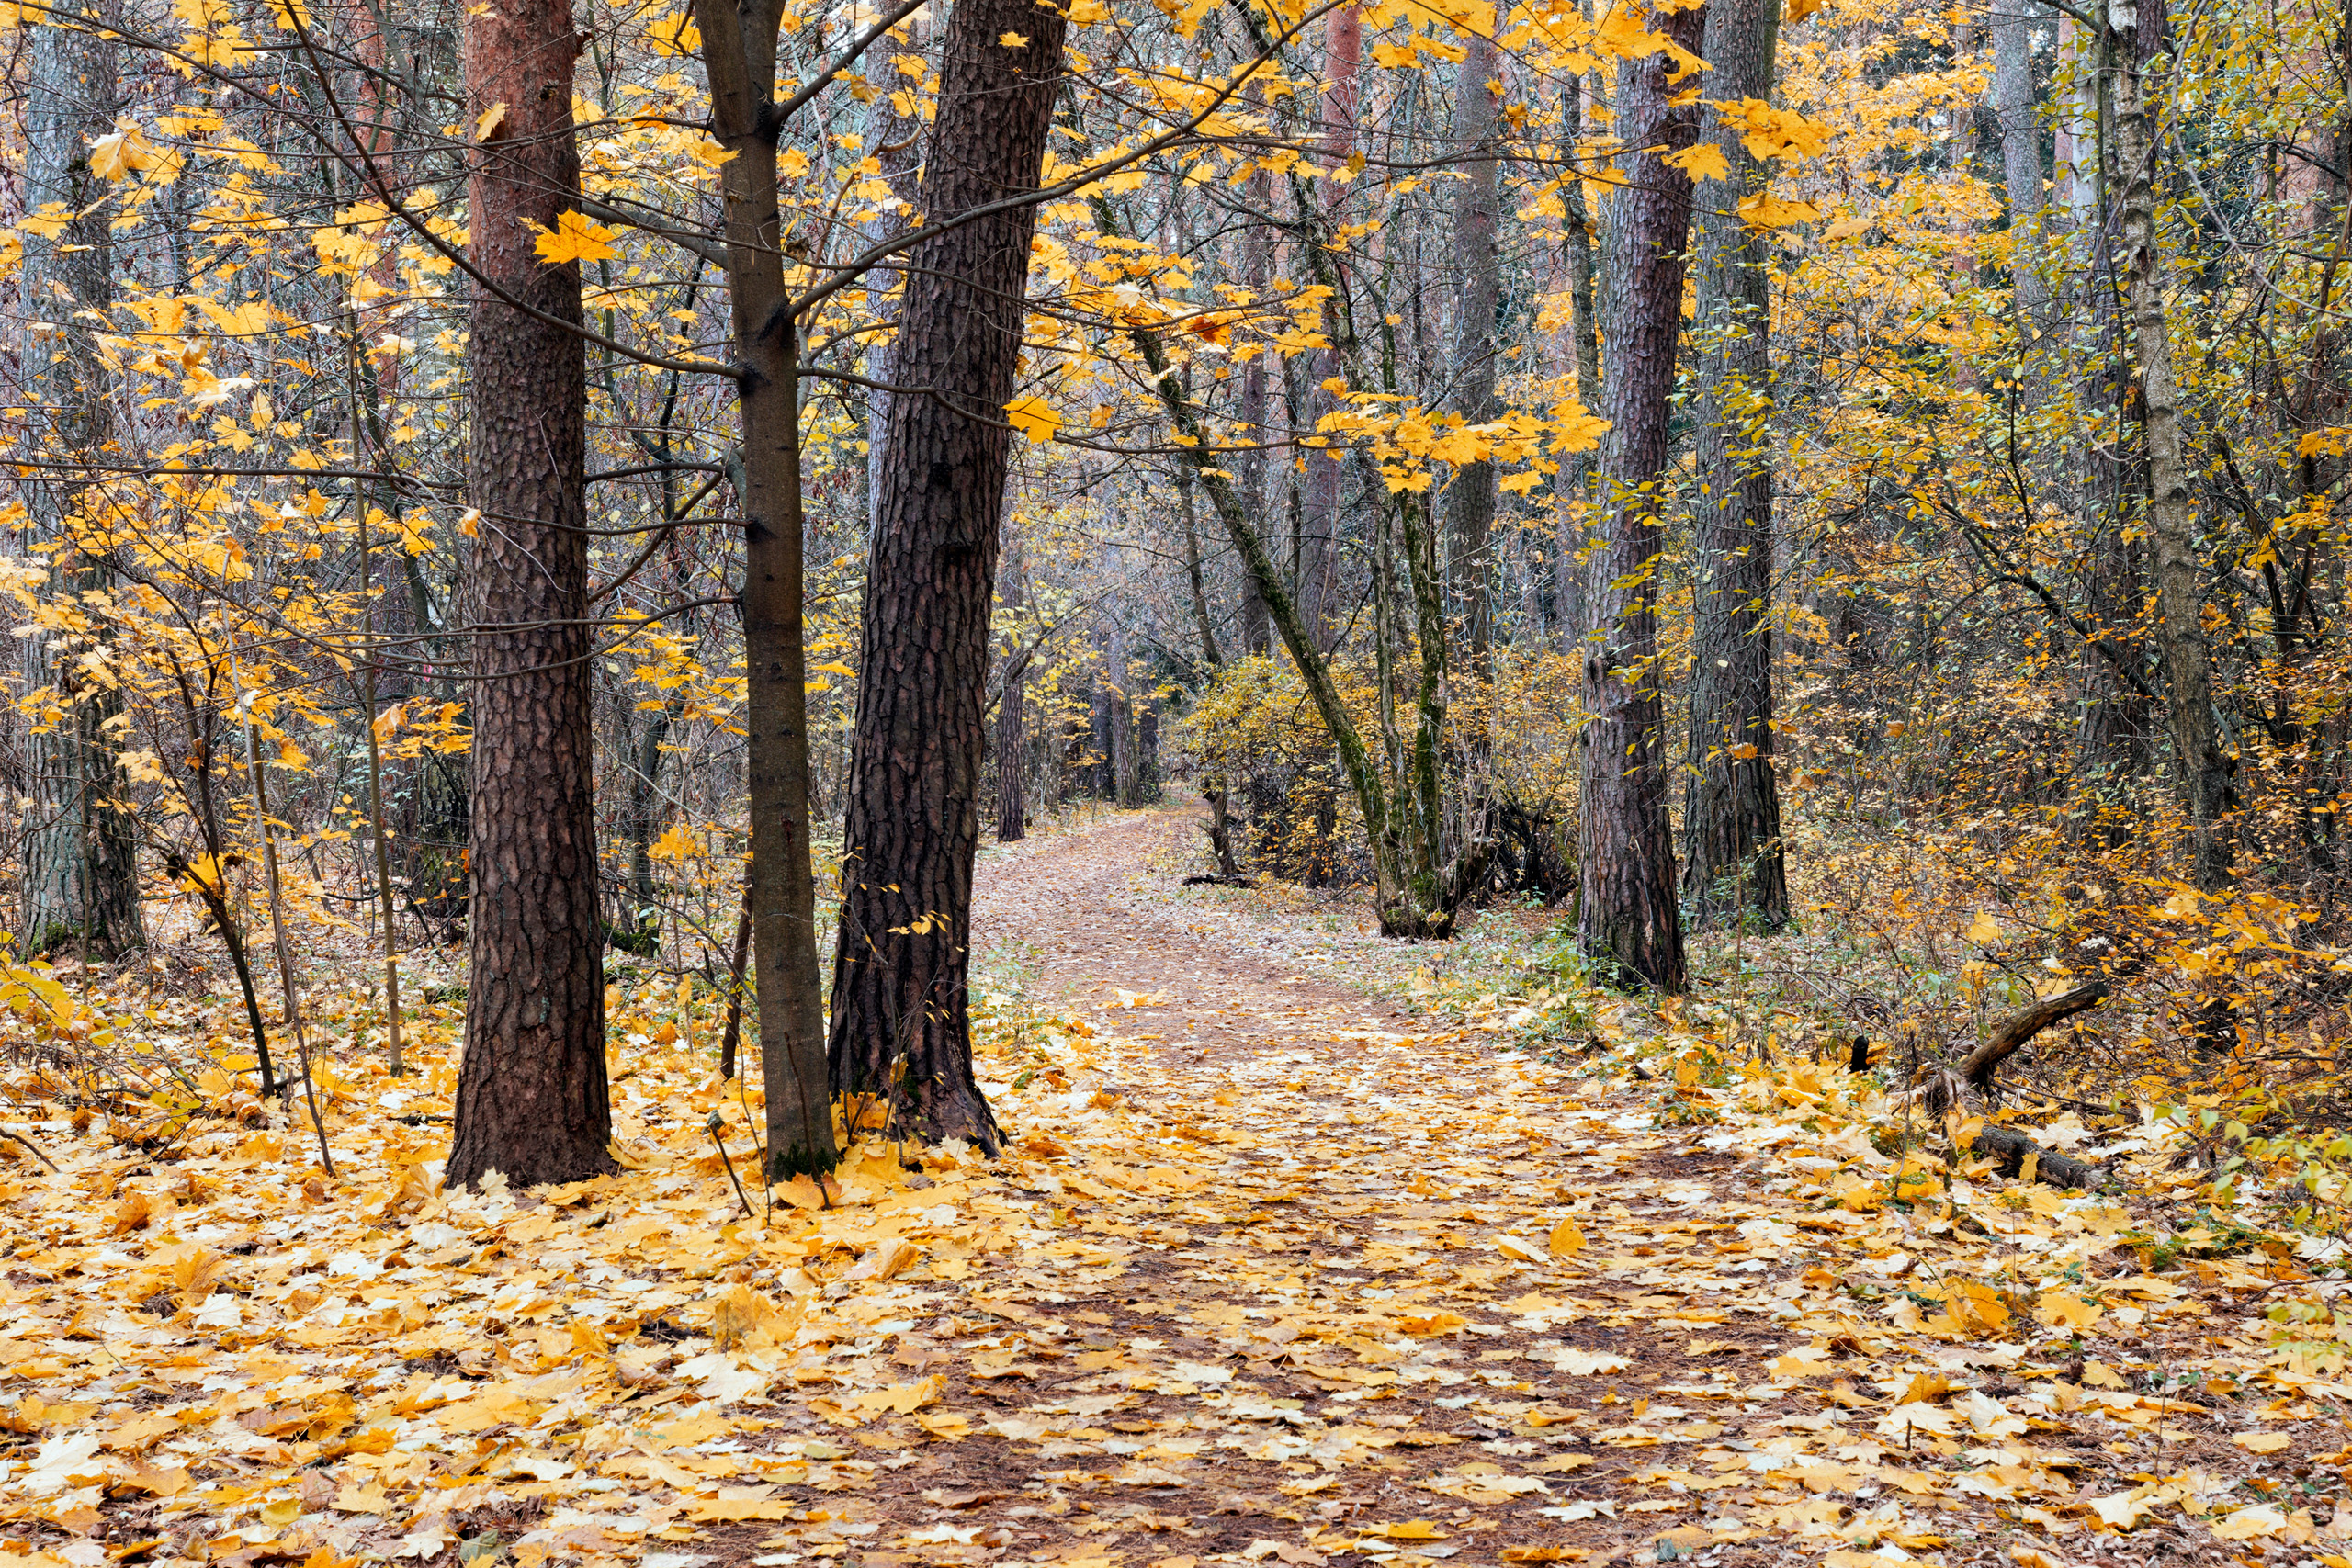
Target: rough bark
<point>2206,773</point>
<point>739,54</point>
<point>531,1097</point>
<point>81,867</point>
<point>900,1024</point>
<point>1733,862</point>
<point>1627,917</point>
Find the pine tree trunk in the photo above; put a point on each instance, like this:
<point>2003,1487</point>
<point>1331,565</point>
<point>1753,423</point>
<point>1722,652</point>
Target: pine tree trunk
<point>739,54</point>
<point>1627,919</point>
<point>1733,866</point>
<point>81,849</point>
<point>902,1024</point>
<point>2206,773</point>
<point>531,1096</point>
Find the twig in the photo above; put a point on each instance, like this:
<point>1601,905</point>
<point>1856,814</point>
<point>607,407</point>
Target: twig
<point>714,1123</point>
<point>19,1137</point>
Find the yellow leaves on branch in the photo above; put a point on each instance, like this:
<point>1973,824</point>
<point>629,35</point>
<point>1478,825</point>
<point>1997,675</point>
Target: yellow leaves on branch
<point>127,152</point>
<point>1033,418</point>
<point>576,238</point>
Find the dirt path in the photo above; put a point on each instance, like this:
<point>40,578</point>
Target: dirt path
<point>1401,1293</point>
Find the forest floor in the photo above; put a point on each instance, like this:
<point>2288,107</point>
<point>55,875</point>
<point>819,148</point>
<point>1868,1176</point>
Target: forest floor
<point>1276,1266</point>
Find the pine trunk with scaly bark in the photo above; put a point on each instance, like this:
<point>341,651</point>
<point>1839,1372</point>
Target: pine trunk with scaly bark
<point>531,1099</point>
<point>1627,919</point>
<point>901,1025</point>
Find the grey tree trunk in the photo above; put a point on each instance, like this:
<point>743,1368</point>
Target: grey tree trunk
<point>2019,114</point>
<point>1627,917</point>
<point>1478,212</point>
<point>1572,489</point>
<point>1733,862</point>
<point>2206,773</point>
<point>81,847</point>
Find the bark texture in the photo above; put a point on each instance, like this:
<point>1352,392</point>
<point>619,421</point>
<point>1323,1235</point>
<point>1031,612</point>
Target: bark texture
<point>531,1094</point>
<point>900,1024</point>
<point>81,849</point>
<point>1627,919</point>
<point>1733,862</point>
<point>2206,773</point>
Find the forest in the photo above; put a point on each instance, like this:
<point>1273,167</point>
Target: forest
<point>1138,784</point>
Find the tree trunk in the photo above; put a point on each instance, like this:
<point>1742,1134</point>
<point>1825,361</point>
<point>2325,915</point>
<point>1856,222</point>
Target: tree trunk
<point>642,920</point>
<point>1573,488</point>
<point>1470,498</point>
<point>901,1025</point>
<point>531,1094</point>
<point>1012,802</point>
<point>1732,866</point>
<point>894,139</point>
<point>1256,630</point>
<point>80,850</point>
<point>739,54</point>
<point>2020,114</point>
<point>1627,919</point>
<point>2206,773</point>
<point>1202,621</point>
<point>1121,710</point>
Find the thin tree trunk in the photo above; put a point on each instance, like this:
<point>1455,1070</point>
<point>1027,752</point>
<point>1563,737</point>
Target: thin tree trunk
<point>894,139</point>
<point>739,55</point>
<point>1011,799</point>
<point>1732,866</point>
<point>902,1024</point>
<point>1572,488</point>
<point>81,864</point>
<point>1627,917</point>
<point>2205,772</point>
<point>531,1099</point>
<point>1202,621</point>
<point>1470,498</point>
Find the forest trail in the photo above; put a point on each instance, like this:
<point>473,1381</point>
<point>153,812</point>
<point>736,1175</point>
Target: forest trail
<point>1271,1270</point>
<point>1438,1300</point>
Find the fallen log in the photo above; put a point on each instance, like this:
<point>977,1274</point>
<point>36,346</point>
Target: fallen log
<point>2011,1149</point>
<point>1980,1065</point>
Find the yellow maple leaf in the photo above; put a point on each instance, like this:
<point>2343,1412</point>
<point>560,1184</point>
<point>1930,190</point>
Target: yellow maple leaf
<point>1704,161</point>
<point>1768,212</point>
<point>576,238</point>
<point>1033,418</point>
<point>1014,41</point>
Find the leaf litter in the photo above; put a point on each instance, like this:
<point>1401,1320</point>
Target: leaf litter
<point>1271,1270</point>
